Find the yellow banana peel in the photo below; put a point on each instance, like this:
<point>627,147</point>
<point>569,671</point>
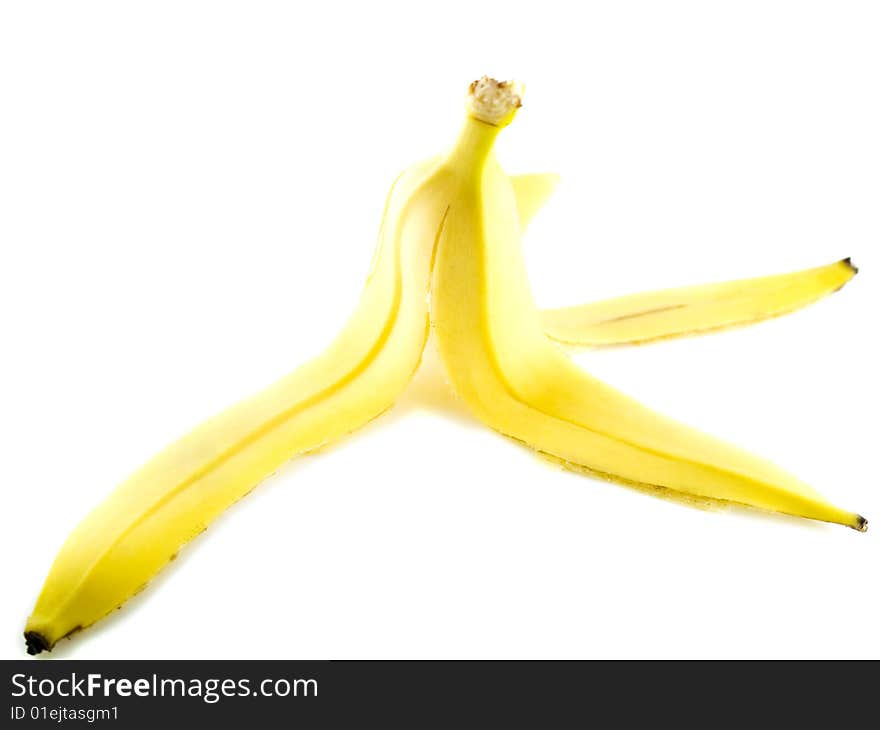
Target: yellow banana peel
<point>448,259</point>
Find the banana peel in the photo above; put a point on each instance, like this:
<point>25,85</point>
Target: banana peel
<point>448,260</point>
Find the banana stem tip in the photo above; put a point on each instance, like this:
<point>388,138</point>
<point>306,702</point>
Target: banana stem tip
<point>494,102</point>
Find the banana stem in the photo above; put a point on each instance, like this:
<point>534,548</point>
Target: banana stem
<point>494,102</point>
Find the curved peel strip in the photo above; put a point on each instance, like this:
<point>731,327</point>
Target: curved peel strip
<point>125,541</point>
<point>691,310</point>
<point>516,380</point>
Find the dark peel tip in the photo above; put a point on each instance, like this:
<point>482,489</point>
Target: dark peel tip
<point>35,642</point>
<point>848,262</point>
<point>861,524</point>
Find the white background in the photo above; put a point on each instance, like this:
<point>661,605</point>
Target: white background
<point>189,194</point>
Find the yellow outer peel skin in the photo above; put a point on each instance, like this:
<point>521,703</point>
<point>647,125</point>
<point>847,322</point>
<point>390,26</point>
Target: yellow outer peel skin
<point>532,191</point>
<point>133,534</point>
<point>667,313</point>
<point>657,315</point>
<point>492,341</point>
